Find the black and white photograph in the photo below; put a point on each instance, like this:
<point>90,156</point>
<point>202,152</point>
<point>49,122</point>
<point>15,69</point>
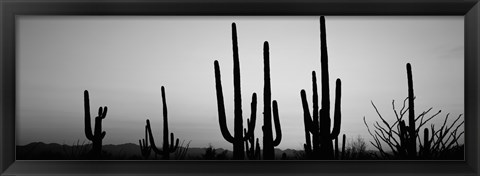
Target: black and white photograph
<point>240,88</point>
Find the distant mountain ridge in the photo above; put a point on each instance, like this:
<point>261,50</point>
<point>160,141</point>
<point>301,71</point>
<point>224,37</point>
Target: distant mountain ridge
<point>128,151</point>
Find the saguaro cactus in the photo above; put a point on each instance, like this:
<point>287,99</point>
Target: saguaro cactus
<point>412,140</point>
<point>145,149</point>
<point>322,147</point>
<point>311,125</point>
<point>97,136</point>
<point>252,146</point>
<point>408,134</point>
<point>238,139</point>
<point>167,147</point>
<point>268,142</point>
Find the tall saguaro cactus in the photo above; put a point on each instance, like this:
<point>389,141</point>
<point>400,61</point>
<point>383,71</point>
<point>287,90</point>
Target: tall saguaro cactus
<point>319,123</point>
<point>408,134</point>
<point>238,138</point>
<point>167,147</point>
<point>97,136</point>
<point>268,142</point>
<point>412,147</point>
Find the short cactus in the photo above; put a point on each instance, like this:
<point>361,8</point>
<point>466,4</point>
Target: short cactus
<point>97,136</point>
<point>145,149</point>
<point>252,147</point>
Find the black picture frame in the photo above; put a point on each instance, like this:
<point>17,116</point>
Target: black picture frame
<point>470,9</point>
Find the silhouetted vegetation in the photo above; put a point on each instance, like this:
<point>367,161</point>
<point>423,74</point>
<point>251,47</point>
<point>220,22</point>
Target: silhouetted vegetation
<point>145,148</point>
<point>167,147</point>
<point>238,139</point>
<point>401,139</point>
<point>97,136</point>
<point>268,142</point>
<point>181,152</point>
<point>357,150</point>
<point>319,145</point>
<point>77,151</point>
<point>211,154</point>
<point>252,151</point>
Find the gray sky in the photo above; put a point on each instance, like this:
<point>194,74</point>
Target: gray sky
<point>123,62</point>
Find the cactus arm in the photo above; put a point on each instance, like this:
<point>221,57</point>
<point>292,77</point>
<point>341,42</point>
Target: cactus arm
<point>88,126</point>
<point>146,137</point>
<point>253,118</point>
<point>307,122</point>
<point>172,147</point>
<point>103,134</point>
<point>246,143</point>
<point>104,113</point>
<point>152,140</point>
<point>276,119</point>
<point>141,146</point>
<point>177,141</point>
<point>337,117</point>
<point>403,139</point>
<point>172,140</point>
<point>144,148</point>
<point>315,103</point>
<point>98,133</point>
<point>306,112</point>
<point>343,147</point>
<point>221,105</point>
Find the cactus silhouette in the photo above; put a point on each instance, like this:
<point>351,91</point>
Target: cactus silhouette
<point>425,149</point>
<point>412,136</point>
<point>343,147</point>
<point>318,124</point>
<point>167,147</point>
<point>238,138</point>
<point>252,151</point>
<point>145,149</point>
<point>408,134</point>
<point>268,142</point>
<point>97,136</point>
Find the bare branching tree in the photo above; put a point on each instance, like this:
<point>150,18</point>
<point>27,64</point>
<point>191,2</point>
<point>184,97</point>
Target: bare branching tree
<point>401,138</point>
